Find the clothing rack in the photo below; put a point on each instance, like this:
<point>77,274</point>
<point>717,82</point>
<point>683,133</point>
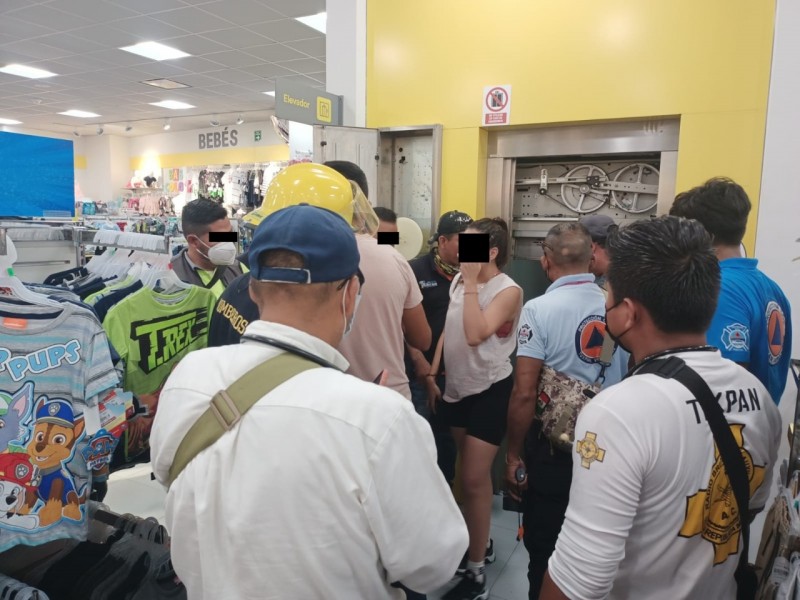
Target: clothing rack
<point>38,257</point>
<point>10,587</point>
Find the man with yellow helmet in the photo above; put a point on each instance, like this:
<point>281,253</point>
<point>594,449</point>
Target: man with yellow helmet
<point>391,302</point>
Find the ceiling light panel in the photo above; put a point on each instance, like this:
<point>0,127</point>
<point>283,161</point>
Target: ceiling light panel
<point>82,114</point>
<point>24,71</point>
<point>172,104</point>
<point>318,21</point>
<point>270,94</point>
<point>9,122</point>
<point>165,84</point>
<point>155,51</point>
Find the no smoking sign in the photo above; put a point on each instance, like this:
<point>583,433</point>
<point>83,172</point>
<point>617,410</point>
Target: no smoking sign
<point>497,105</point>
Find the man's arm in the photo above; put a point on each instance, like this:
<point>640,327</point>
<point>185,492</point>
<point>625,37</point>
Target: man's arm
<point>521,412</point>
<point>550,591</point>
<point>418,528</point>
<point>415,324</point>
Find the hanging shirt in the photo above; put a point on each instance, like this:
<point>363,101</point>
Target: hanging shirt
<point>651,513</point>
<point>473,369</point>
<point>153,331</point>
<point>54,363</point>
<point>753,323</point>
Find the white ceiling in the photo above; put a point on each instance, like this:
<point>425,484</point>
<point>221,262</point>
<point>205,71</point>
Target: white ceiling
<point>238,48</point>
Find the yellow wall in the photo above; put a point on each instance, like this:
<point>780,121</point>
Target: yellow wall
<point>156,162</point>
<point>572,61</point>
<point>80,161</point>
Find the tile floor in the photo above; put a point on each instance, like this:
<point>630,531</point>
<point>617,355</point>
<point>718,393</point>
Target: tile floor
<point>132,491</point>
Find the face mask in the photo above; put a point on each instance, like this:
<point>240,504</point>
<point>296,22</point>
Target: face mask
<point>223,254</point>
<point>617,338</point>
<point>348,326</point>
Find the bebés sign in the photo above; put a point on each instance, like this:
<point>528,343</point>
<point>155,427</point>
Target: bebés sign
<point>303,104</point>
<point>218,139</point>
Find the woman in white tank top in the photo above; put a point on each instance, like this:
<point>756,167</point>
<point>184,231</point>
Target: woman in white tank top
<point>477,343</point>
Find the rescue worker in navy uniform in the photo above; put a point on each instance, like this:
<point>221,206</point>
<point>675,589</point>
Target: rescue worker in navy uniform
<point>434,272</point>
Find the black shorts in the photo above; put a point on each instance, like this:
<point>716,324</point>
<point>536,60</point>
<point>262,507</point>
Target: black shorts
<point>483,415</point>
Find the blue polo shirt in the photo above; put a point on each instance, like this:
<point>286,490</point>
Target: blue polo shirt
<point>565,329</point>
<point>753,323</point>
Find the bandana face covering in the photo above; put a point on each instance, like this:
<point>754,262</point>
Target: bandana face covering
<point>449,271</point>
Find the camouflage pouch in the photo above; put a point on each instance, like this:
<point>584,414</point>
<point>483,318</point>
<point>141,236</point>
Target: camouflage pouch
<point>558,403</point>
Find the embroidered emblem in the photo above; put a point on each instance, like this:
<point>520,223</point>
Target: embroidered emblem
<point>589,338</point>
<point>736,337</point>
<point>589,450</point>
<point>713,513</point>
<point>776,330</point>
<point>424,285</point>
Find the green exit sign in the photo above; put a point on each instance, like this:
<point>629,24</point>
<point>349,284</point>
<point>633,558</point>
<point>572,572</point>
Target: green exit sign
<point>257,135</point>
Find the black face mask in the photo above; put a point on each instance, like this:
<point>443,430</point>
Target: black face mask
<point>617,338</point>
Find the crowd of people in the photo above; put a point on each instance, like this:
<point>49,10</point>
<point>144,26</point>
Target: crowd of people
<point>312,451</point>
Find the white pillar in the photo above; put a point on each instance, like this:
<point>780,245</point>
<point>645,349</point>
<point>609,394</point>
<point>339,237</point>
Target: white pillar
<point>346,57</point>
<point>780,202</point>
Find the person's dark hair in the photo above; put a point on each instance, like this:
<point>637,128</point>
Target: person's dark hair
<point>385,214</point>
<point>497,229</point>
<point>569,245</point>
<point>350,171</point>
<point>721,205</point>
<point>199,214</point>
<point>669,266</point>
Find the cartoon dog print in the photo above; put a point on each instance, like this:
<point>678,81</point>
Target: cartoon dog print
<point>55,434</point>
<point>14,410</point>
<point>17,483</point>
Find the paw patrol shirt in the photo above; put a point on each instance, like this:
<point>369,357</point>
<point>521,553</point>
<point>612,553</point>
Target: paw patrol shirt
<point>54,363</point>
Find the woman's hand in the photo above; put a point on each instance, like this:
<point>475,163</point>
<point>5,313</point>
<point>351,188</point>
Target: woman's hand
<point>469,272</point>
<point>434,393</point>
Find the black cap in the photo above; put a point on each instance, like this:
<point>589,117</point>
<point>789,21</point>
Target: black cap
<point>598,226</point>
<point>451,222</point>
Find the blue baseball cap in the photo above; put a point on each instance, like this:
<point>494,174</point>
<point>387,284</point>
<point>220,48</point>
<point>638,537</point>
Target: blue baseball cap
<point>58,412</point>
<point>323,238</point>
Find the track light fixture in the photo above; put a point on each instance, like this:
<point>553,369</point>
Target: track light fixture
<point>240,120</point>
<point>128,127</point>
<point>99,130</point>
<point>76,133</point>
<point>214,121</point>
<point>167,124</point>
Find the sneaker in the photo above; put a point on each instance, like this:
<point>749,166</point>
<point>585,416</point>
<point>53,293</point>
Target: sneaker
<point>468,589</point>
<point>489,558</point>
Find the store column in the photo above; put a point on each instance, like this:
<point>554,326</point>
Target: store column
<point>346,57</point>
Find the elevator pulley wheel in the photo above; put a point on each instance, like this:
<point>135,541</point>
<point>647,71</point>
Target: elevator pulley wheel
<point>642,197</point>
<point>581,192</point>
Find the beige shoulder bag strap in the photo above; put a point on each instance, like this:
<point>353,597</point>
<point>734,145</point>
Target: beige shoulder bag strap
<point>228,406</point>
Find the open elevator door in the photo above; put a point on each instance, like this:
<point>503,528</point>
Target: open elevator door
<point>402,165</point>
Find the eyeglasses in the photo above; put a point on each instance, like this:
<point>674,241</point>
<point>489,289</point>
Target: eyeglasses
<point>358,274</point>
<point>544,246</point>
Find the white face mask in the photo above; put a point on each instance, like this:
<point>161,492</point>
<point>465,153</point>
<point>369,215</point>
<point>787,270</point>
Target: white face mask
<point>348,326</point>
<point>222,254</point>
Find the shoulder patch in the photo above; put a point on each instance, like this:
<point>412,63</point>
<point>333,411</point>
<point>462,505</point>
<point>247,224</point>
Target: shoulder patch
<point>776,330</point>
<point>524,335</point>
<point>736,337</point>
<point>589,450</point>
<point>589,338</point>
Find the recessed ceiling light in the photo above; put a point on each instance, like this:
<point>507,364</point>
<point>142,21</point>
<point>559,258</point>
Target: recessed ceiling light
<point>165,84</point>
<point>9,122</point>
<point>172,104</point>
<point>79,113</point>
<point>29,72</point>
<point>318,21</point>
<point>155,51</point>
<point>270,94</point>
<point>240,120</point>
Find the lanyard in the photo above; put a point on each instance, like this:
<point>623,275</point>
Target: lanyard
<point>289,348</point>
<point>652,357</point>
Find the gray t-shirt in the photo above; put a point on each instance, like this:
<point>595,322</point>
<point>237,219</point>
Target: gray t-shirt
<point>54,363</point>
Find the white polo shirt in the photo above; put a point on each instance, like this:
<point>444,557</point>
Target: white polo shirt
<point>651,513</point>
<point>327,488</point>
<point>565,329</point>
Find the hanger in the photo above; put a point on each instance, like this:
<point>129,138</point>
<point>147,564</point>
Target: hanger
<point>9,281</point>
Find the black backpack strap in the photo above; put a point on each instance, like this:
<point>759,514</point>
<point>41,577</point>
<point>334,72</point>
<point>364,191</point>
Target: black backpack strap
<point>730,452</point>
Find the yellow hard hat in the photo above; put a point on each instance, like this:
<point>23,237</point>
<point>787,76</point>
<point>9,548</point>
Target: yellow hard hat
<point>321,186</point>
